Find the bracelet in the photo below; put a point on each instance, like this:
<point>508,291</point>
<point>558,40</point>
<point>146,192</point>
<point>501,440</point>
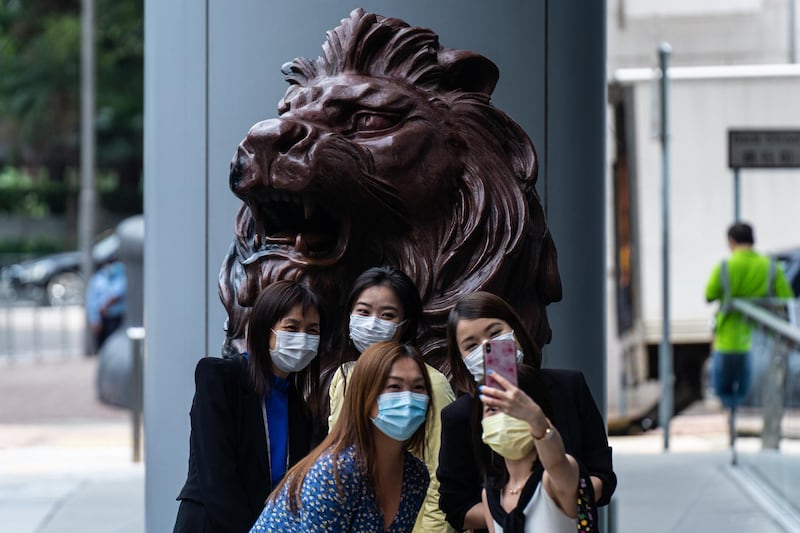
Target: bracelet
<point>548,433</point>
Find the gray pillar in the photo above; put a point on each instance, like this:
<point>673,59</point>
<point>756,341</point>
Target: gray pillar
<point>175,200</point>
<point>575,168</point>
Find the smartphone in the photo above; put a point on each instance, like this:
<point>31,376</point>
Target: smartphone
<point>501,357</point>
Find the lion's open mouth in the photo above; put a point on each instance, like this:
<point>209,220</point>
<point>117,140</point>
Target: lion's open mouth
<point>297,227</point>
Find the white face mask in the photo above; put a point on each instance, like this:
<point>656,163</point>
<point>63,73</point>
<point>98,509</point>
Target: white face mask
<point>367,330</point>
<point>293,351</point>
<point>474,359</point>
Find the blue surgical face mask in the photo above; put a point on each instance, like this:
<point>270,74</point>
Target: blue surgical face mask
<point>116,268</point>
<point>400,414</point>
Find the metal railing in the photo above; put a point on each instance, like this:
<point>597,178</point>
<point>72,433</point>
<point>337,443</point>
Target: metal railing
<point>775,335</point>
<point>32,331</point>
<point>762,312</point>
<point>770,474</point>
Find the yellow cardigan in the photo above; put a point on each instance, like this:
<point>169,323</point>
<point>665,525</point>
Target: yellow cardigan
<point>431,518</point>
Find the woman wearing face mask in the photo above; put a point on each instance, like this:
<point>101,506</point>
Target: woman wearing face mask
<point>474,320</point>
<point>385,305</point>
<point>249,422</point>
<point>531,482</point>
<point>362,477</point>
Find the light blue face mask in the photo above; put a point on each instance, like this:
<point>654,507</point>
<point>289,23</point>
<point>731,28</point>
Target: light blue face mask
<point>400,414</point>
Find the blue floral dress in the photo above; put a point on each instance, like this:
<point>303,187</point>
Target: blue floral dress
<point>353,507</point>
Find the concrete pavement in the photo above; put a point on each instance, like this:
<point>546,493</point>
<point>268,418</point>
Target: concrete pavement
<point>72,472</point>
<point>695,489</point>
<point>65,459</point>
<point>88,488</point>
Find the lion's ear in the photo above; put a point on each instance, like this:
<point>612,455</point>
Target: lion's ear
<point>467,71</point>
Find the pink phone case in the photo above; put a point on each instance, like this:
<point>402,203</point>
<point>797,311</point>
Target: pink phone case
<point>501,357</point>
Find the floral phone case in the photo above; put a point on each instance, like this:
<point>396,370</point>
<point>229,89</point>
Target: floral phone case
<point>501,357</point>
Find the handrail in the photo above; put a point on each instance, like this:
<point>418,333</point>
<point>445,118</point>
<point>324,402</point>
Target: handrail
<point>750,308</point>
<point>786,335</point>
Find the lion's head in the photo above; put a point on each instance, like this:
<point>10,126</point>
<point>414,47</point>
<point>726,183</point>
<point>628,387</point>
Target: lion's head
<point>387,151</point>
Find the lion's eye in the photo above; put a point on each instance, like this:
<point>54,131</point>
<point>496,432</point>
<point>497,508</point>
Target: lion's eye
<point>372,122</point>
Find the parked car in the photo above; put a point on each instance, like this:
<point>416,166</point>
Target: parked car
<point>53,279</point>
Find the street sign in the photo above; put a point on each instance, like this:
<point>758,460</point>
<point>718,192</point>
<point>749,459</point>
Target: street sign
<point>764,148</point>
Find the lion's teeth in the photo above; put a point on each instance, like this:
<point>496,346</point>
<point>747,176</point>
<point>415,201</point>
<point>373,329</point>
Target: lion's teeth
<point>300,244</point>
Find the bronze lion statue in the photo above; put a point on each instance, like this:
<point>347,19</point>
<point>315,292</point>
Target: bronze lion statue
<point>388,151</point>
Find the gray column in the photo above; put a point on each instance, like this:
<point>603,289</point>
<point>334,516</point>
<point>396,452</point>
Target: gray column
<point>575,167</point>
<point>175,200</point>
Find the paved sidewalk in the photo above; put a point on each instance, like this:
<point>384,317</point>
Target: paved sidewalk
<point>65,459</point>
<point>67,467</point>
<point>694,489</point>
<point>89,488</point>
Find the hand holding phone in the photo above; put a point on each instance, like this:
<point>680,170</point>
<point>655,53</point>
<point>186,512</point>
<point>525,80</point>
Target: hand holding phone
<point>500,356</point>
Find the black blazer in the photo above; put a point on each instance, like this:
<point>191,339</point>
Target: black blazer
<point>229,472</point>
<point>576,417</point>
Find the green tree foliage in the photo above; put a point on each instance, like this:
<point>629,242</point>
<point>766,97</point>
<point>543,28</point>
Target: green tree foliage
<point>120,84</point>
<point>39,81</point>
<point>40,43</point>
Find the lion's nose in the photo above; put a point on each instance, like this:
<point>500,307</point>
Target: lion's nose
<point>277,136</point>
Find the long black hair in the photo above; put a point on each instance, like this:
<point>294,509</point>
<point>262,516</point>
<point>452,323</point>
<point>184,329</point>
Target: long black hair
<point>414,324</point>
<point>274,302</point>
<point>484,305</point>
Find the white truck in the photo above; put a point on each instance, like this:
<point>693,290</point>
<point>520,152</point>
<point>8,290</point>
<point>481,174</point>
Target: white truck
<point>704,104</point>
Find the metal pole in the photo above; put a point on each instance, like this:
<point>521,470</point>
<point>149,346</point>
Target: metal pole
<point>136,335</point>
<point>792,31</point>
<point>37,332</point>
<point>64,333</point>
<point>88,197</point>
<point>9,334</point>
<point>665,350</point>
<point>737,195</point>
<point>774,393</point>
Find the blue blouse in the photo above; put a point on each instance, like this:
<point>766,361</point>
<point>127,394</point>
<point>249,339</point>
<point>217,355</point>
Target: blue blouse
<point>351,508</point>
<point>276,406</point>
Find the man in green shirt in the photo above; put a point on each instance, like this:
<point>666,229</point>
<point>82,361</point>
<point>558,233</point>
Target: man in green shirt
<point>746,274</point>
